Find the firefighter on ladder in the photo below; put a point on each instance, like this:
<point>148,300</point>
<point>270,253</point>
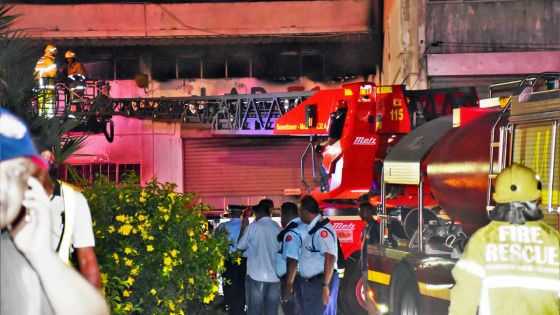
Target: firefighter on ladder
<point>511,266</point>
<point>75,75</point>
<point>45,77</point>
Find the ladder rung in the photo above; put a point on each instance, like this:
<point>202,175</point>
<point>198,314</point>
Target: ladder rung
<point>494,144</point>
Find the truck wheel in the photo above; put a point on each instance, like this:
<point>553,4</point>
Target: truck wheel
<point>351,292</point>
<point>409,299</point>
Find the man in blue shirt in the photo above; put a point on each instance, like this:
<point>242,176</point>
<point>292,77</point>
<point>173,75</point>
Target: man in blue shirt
<point>317,264</point>
<point>259,239</point>
<point>287,259</point>
<point>236,270</point>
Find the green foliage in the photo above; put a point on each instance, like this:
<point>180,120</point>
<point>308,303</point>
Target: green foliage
<point>154,250</point>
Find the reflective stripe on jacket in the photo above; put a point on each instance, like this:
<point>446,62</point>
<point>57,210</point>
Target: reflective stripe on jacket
<point>509,269</point>
<point>69,198</point>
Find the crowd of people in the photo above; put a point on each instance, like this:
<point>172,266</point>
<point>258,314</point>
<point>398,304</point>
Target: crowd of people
<point>282,263</point>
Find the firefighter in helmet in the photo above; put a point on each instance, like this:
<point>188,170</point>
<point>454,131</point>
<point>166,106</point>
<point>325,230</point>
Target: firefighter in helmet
<point>511,266</point>
<point>45,76</point>
<point>75,75</point>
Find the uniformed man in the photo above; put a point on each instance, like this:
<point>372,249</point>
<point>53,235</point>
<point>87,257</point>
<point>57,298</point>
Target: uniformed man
<point>287,259</point>
<point>236,269</point>
<point>318,265</point>
<point>511,266</point>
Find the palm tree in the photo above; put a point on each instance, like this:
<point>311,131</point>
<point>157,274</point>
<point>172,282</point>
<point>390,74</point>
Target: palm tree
<point>17,61</point>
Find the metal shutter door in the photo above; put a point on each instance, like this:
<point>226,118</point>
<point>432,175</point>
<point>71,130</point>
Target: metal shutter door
<point>243,170</point>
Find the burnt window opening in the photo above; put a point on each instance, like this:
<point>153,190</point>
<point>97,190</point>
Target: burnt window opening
<point>164,69</point>
<point>126,68</point>
<point>263,66</point>
<point>238,67</point>
<point>312,65</point>
<point>100,69</point>
<point>188,67</point>
<point>214,68</point>
<point>288,65</point>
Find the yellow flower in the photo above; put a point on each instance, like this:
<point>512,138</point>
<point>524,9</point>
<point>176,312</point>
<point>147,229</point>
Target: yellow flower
<point>141,217</point>
<point>120,218</point>
<point>171,305</point>
<point>209,298</point>
<point>128,262</point>
<point>174,253</point>
<point>191,280</point>
<point>166,217</point>
<point>214,288</point>
<point>151,238</point>
<point>134,271</point>
<point>238,260</point>
<point>181,312</point>
<point>130,281</point>
<point>104,278</point>
<point>153,291</point>
<point>160,227</point>
<point>126,293</point>
<point>128,250</point>
<point>162,209</point>
<point>116,257</point>
<point>158,301</point>
<point>149,248</point>
<point>194,248</point>
<point>128,307</point>
<point>111,229</point>
<point>142,199</point>
<point>125,229</point>
<point>167,269</point>
<point>167,261</point>
<point>221,263</point>
<point>191,233</point>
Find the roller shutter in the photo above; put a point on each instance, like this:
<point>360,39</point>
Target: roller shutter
<point>243,170</point>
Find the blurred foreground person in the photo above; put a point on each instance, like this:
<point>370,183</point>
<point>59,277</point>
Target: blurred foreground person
<point>511,266</point>
<point>33,279</point>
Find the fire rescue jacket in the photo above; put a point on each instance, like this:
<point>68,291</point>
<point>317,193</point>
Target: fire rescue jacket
<point>46,67</point>
<point>509,269</point>
<point>69,199</point>
<point>75,68</point>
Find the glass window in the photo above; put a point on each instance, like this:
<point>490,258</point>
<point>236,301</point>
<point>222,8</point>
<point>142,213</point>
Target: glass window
<point>127,68</point>
<point>163,69</point>
<point>189,67</point>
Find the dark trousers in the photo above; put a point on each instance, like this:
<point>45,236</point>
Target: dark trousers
<point>313,296</point>
<point>262,297</point>
<point>294,306</point>
<point>234,292</point>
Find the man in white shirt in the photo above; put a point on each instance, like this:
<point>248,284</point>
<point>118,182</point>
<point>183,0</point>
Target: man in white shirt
<point>262,285</point>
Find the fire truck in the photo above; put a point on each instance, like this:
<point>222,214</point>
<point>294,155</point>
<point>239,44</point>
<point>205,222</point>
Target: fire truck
<point>443,172</point>
<point>376,118</point>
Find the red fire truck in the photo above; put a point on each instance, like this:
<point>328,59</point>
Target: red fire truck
<point>377,117</point>
<point>447,167</point>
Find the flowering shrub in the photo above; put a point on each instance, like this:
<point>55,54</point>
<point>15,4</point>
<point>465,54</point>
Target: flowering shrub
<point>154,250</point>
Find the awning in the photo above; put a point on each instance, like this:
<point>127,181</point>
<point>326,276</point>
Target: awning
<point>402,164</point>
<point>205,40</point>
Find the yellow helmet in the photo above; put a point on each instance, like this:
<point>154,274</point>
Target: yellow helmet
<point>70,54</point>
<point>51,50</point>
<point>517,183</point>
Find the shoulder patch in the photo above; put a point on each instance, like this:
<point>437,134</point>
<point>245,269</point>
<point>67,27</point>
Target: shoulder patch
<point>324,234</point>
<point>288,238</point>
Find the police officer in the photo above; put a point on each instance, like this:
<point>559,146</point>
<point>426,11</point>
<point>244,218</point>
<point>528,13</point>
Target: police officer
<point>236,268</point>
<point>287,259</point>
<point>317,264</point>
<point>511,266</point>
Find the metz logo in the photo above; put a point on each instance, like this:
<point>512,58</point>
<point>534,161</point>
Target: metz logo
<point>364,141</point>
<point>343,226</point>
